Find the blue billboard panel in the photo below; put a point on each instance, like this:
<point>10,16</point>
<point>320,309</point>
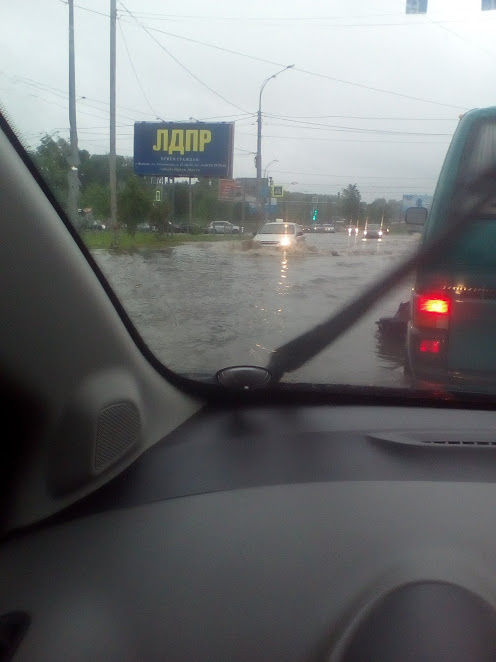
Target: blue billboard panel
<point>182,149</point>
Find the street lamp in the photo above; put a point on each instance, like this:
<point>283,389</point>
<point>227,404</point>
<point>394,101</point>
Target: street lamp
<point>258,158</point>
<point>268,166</point>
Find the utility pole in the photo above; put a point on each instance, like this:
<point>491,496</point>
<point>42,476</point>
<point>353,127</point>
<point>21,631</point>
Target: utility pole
<point>72,175</point>
<point>112,156</point>
<point>258,157</point>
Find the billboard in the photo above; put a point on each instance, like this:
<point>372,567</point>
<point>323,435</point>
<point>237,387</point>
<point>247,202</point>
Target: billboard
<point>230,190</point>
<point>416,200</point>
<point>183,149</point>
<point>244,188</point>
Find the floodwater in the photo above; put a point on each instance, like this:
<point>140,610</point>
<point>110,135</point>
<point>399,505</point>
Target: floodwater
<point>204,306</point>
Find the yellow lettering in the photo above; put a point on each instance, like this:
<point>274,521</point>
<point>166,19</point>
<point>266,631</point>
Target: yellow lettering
<point>177,141</point>
<point>162,140</point>
<point>191,140</point>
<point>205,138</point>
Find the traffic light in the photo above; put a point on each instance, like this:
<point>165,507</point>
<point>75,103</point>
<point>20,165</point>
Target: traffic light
<point>315,215</point>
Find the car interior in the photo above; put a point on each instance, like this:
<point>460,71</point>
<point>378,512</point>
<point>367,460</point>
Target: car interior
<point>146,516</point>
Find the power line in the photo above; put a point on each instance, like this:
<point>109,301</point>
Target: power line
<point>348,140</point>
<point>242,116</point>
<point>308,72</point>
<point>158,16</point>
<point>280,64</point>
<point>314,126</point>
<point>378,89</point>
<point>180,64</point>
<point>363,117</point>
<point>135,72</point>
<point>323,174</point>
<point>44,87</point>
<point>471,44</point>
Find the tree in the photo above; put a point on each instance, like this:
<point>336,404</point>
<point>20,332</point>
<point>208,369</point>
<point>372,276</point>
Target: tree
<point>134,203</point>
<point>97,196</point>
<point>159,214</point>
<point>50,158</point>
<point>350,203</point>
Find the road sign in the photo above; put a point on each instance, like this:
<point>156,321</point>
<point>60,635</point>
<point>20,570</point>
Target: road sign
<point>416,6</point>
<point>277,192</point>
<point>416,200</point>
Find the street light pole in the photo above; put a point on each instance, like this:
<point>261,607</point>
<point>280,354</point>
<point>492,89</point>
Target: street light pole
<point>268,166</point>
<point>258,158</point>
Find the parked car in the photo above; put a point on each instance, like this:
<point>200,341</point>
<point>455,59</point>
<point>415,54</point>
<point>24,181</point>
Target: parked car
<point>280,234</point>
<point>96,225</point>
<point>222,227</point>
<point>146,227</point>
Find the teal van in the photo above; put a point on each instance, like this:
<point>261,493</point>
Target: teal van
<point>451,337</point>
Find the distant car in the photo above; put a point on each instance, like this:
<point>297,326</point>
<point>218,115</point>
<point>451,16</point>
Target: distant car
<point>280,234</point>
<point>96,225</point>
<point>372,231</point>
<point>173,227</point>
<point>222,227</point>
<point>352,230</point>
<point>146,227</point>
<point>329,227</point>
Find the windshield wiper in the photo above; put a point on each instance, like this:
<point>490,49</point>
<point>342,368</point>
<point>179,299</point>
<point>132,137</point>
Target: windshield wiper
<point>295,353</point>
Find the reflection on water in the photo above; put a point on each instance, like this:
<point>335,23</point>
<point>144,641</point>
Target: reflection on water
<point>204,306</point>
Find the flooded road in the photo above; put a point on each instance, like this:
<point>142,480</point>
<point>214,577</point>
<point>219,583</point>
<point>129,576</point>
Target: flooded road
<point>203,306</point>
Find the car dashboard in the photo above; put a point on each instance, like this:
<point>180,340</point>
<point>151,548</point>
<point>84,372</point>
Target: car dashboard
<point>338,533</point>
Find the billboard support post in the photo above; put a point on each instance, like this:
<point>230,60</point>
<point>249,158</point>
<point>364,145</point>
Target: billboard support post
<point>190,202</point>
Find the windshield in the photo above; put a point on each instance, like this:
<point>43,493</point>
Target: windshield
<point>277,228</point>
<point>153,125</point>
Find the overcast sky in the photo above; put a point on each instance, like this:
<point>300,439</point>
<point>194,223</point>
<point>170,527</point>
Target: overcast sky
<point>323,123</point>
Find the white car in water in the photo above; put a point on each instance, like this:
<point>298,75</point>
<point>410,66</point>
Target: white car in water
<point>279,233</point>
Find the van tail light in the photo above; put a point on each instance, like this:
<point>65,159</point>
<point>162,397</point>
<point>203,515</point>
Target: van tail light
<point>430,346</point>
<point>431,310</point>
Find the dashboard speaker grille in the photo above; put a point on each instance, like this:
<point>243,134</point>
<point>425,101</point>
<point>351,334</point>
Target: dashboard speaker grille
<point>117,432</point>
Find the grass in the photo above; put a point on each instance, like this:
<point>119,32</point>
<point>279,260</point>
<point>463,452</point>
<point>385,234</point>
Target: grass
<point>149,240</point>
